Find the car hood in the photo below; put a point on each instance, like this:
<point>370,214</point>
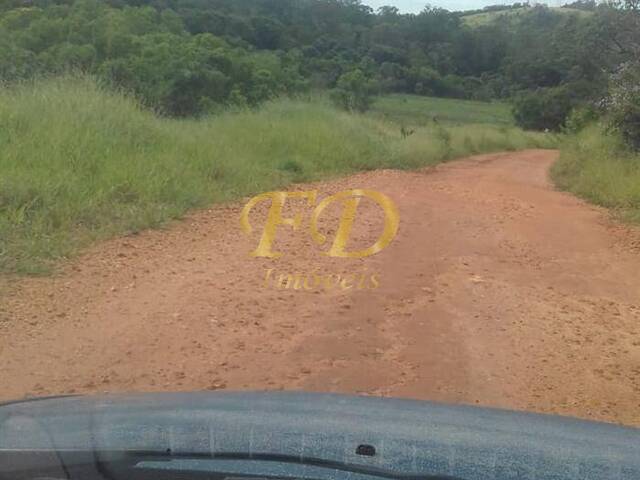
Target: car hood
<point>410,437</point>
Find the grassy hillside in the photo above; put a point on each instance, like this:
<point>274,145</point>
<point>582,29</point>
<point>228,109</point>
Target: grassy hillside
<point>418,110</point>
<point>479,19</point>
<point>79,163</point>
<point>598,168</point>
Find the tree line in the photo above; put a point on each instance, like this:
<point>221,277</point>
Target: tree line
<point>189,57</point>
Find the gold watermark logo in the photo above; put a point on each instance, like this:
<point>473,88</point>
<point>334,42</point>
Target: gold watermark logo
<point>321,281</point>
<point>349,200</point>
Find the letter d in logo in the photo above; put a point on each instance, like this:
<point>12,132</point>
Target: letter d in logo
<point>351,199</point>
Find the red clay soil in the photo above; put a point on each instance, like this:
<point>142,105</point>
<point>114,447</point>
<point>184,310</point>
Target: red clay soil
<point>498,290</point>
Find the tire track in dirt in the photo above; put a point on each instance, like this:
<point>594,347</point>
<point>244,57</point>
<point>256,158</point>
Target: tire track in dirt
<point>497,291</point>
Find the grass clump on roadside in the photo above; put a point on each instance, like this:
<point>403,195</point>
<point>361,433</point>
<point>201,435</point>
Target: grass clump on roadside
<point>599,168</point>
<point>435,144</point>
<point>80,163</point>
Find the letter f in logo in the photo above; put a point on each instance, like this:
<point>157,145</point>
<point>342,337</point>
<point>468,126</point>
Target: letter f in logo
<point>274,218</point>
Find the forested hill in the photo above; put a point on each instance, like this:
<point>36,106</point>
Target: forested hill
<point>185,57</point>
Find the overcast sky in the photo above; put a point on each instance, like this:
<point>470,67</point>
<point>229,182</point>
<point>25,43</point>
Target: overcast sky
<point>415,6</point>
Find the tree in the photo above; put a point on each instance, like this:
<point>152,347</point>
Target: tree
<point>354,91</point>
<point>185,57</point>
<point>623,103</point>
<point>544,109</point>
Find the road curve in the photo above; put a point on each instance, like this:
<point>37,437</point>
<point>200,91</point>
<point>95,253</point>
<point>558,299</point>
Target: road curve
<point>498,290</point>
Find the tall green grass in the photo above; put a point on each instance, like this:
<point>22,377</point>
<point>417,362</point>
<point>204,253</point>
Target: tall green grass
<point>80,163</point>
<point>600,169</point>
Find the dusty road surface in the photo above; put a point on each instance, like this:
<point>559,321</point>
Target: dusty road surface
<point>497,291</point>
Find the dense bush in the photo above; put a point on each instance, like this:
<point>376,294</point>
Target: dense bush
<point>623,104</point>
<point>354,91</point>
<point>544,109</point>
<point>145,50</point>
<point>580,118</point>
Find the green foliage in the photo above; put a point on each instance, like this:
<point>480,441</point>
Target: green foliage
<point>623,104</point>
<point>545,109</point>
<point>428,81</point>
<point>145,50</point>
<point>193,57</point>
<point>80,162</point>
<point>354,91</point>
<point>580,118</point>
<point>599,167</point>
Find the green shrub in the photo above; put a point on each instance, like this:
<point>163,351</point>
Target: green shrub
<point>354,91</point>
<point>544,109</point>
<point>623,104</point>
<point>580,118</point>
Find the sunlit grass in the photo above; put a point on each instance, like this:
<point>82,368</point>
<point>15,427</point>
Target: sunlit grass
<point>485,18</point>
<point>79,163</point>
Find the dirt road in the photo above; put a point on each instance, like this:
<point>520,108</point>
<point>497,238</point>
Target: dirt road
<point>497,291</point>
